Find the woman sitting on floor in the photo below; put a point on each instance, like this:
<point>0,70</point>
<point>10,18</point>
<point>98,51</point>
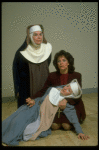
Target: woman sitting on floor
<point>64,74</point>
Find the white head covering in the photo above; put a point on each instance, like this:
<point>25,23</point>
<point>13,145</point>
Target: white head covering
<point>77,92</point>
<point>74,87</point>
<point>35,28</point>
<point>37,55</point>
<point>32,30</point>
<point>55,97</point>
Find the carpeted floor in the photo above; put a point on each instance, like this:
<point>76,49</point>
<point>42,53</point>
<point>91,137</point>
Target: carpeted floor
<point>61,137</point>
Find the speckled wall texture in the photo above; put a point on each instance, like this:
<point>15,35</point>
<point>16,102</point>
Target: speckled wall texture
<point>72,26</point>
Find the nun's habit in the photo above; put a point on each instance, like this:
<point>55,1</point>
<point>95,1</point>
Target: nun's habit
<point>30,66</point>
<point>33,130</point>
<point>14,126</point>
<point>25,121</point>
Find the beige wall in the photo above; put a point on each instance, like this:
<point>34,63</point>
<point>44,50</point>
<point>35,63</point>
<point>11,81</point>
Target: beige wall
<point>71,26</point>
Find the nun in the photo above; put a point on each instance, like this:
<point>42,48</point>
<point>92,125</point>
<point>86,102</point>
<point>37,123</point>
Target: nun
<point>49,108</point>
<point>31,64</point>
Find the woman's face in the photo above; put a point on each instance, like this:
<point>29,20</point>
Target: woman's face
<point>66,90</point>
<point>37,37</point>
<point>62,63</point>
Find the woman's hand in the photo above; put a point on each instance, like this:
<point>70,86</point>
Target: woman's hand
<point>83,136</point>
<point>62,104</point>
<point>30,102</point>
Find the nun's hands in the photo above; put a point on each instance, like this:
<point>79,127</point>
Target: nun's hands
<point>83,136</point>
<point>62,104</point>
<point>30,102</point>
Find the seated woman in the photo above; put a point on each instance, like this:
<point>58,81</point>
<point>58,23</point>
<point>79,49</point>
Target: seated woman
<point>64,74</point>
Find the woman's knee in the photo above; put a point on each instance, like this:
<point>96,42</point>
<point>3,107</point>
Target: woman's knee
<point>66,126</point>
<point>55,126</point>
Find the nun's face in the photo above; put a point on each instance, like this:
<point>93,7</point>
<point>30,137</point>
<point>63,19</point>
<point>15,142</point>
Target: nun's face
<point>66,90</point>
<point>37,37</point>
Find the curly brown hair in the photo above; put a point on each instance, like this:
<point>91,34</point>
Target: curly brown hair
<point>68,56</point>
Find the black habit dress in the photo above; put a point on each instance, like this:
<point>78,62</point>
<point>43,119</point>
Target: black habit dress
<point>28,77</point>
